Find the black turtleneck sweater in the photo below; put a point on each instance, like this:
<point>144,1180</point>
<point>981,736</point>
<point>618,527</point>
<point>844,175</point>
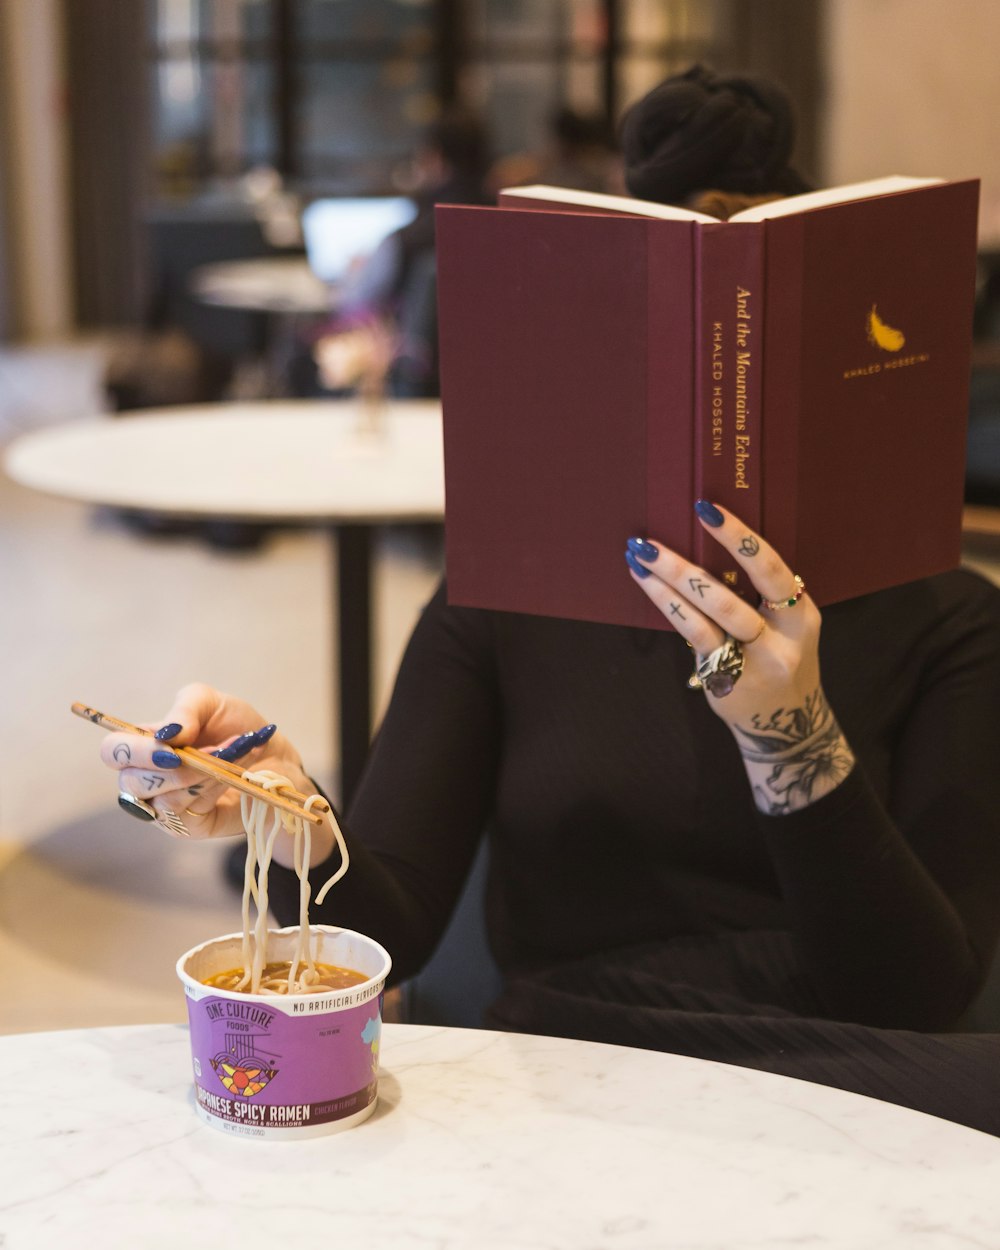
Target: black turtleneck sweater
<point>621,820</point>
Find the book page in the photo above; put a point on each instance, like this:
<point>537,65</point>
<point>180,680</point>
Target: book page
<point>832,195</point>
<point>785,207</point>
<point>605,203</point>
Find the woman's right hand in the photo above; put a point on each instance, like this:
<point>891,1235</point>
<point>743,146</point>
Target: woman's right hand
<point>202,717</point>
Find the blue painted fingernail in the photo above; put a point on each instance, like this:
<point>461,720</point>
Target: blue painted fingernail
<point>239,746</point>
<point>643,549</point>
<point>709,513</point>
<point>638,569</point>
<point>245,743</point>
<point>166,759</point>
<point>168,731</point>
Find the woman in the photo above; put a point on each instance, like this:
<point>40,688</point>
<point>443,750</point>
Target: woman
<point>793,866</point>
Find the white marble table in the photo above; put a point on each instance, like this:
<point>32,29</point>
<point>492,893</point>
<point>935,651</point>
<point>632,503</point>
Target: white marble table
<point>311,461</point>
<point>482,1140</point>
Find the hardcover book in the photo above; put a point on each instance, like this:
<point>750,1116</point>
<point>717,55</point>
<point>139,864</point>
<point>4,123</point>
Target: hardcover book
<point>606,361</point>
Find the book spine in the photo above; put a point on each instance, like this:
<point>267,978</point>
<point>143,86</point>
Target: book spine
<point>784,326</point>
<point>729,357</point>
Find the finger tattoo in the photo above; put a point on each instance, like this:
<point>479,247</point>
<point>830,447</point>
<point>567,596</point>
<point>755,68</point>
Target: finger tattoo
<point>675,610</point>
<point>749,546</point>
<point>121,754</point>
<point>700,586</point>
<point>153,780</point>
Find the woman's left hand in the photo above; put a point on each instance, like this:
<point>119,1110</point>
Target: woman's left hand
<point>769,692</point>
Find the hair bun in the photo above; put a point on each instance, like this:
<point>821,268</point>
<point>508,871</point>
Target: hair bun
<point>701,130</point>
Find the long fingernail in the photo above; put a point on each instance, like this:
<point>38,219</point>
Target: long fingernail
<point>239,746</point>
<point>166,759</point>
<point>709,513</point>
<point>245,742</point>
<point>643,549</point>
<point>168,731</point>
<point>638,569</point>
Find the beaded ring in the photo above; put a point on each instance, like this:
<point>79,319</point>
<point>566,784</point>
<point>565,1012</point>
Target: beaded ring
<point>775,604</point>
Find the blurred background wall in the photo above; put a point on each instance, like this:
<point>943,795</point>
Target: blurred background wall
<point>37,296</point>
<point>116,114</point>
<point>912,87</point>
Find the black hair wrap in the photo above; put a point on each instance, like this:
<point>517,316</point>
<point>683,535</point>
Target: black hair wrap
<point>700,131</point>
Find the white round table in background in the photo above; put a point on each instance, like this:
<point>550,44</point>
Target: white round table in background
<point>283,289</point>
<point>270,284</point>
<point>302,461</point>
<point>485,1140</point>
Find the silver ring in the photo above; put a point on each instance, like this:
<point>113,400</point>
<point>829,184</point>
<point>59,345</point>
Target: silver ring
<point>720,670</point>
<point>136,807</point>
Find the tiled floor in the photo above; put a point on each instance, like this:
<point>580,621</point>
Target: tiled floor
<point>95,907</point>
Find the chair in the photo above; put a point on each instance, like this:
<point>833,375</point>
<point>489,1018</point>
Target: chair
<point>461,978</point>
<point>179,244</point>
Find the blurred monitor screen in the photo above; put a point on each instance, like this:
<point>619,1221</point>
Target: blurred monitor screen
<point>338,232</point>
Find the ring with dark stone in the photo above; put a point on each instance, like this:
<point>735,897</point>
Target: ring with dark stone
<point>720,670</point>
<point>136,807</point>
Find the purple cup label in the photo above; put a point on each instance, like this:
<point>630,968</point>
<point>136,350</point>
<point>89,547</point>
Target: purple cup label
<point>266,1068</point>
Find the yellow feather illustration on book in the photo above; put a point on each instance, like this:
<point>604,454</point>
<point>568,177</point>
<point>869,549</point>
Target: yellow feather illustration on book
<point>882,335</point>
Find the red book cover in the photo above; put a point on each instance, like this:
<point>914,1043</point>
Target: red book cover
<point>566,343</point>
<point>867,348</point>
<point>577,386</point>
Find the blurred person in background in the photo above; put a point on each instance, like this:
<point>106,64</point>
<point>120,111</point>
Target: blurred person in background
<point>385,331</point>
<point>580,153</point>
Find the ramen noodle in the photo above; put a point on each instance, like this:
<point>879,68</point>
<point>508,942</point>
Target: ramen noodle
<point>328,977</point>
<point>263,823</point>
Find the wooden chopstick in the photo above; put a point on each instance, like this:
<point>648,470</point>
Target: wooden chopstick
<point>284,797</point>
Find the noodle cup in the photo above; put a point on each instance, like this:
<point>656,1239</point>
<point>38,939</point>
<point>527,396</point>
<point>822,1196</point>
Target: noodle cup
<point>285,1066</point>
